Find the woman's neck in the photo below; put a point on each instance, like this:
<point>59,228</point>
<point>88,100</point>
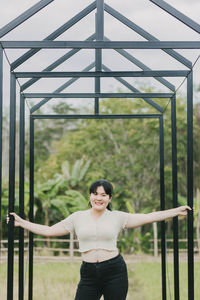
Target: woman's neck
<point>97,213</point>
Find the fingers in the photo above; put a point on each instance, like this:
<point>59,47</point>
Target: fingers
<point>13,214</point>
<point>8,218</point>
<point>184,210</point>
<point>186,207</point>
<point>189,208</point>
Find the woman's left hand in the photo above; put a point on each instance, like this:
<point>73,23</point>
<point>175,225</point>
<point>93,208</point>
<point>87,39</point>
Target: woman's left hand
<point>182,210</point>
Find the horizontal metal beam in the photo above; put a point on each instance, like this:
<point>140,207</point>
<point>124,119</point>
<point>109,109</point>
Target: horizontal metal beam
<point>142,66</point>
<point>101,45</point>
<point>98,95</point>
<point>60,89</point>
<point>68,83</point>
<point>133,89</point>
<point>55,64</point>
<point>156,73</point>
<point>23,17</point>
<point>145,116</point>
<point>177,14</point>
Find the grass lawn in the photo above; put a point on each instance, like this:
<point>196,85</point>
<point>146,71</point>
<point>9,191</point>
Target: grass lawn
<point>58,280</point>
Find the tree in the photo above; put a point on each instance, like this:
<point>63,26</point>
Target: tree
<point>61,191</point>
<point>124,151</point>
<point>48,131</point>
<point>74,174</point>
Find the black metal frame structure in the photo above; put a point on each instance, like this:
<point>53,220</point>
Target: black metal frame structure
<point>97,41</point>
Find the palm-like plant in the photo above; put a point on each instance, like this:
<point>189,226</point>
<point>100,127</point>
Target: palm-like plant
<point>47,192</point>
<point>74,174</point>
<point>59,191</point>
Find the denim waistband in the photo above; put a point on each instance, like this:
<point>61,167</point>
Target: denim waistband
<point>103,262</point>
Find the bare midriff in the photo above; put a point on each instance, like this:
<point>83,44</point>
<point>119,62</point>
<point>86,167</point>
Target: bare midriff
<point>98,255</point>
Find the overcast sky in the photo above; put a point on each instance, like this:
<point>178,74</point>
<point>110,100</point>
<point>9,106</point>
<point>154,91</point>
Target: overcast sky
<point>142,12</point>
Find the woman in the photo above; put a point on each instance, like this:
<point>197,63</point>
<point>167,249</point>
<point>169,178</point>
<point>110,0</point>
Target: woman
<point>103,270</point>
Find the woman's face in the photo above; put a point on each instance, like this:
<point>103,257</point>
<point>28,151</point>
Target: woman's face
<point>99,199</point>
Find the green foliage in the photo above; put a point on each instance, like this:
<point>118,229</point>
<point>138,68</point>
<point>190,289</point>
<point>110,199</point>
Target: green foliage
<point>75,174</point>
<point>70,155</point>
<point>57,193</point>
<point>47,131</point>
<point>125,243</point>
<point>126,152</point>
<point>76,200</point>
<point>116,150</point>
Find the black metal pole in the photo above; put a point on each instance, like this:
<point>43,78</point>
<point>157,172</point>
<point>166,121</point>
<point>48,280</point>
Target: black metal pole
<point>98,52</point>
<point>21,198</point>
<point>175,197</point>
<point>73,117</point>
<point>81,74</point>
<point>190,185</point>
<point>31,215</point>
<point>98,95</point>
<point>11,186</point>
<point>1,131</point>
<point>162,207</point>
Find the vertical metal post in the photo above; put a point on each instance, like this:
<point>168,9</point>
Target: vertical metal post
<point>1,131</point>
<point>98,52</point>
<point>31,215</point>
<point>162,207</point>
<point>12,140</point>
<point>190,185</point>
<point>21,197</point>
<point>175,197</point>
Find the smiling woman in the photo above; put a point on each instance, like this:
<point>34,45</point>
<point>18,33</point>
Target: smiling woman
<point>103,270</point>
<point>101,190</point>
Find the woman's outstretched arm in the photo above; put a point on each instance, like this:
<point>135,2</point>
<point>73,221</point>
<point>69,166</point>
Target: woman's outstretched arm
<point>50,231</point>
<point>136,220</point>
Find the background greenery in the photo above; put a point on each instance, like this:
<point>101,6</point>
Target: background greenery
<point>70,155</point>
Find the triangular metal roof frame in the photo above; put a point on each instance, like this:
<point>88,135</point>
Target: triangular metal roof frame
<point>40,5</point>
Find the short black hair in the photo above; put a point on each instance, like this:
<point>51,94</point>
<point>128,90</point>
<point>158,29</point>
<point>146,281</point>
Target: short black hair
<point>106,185</point>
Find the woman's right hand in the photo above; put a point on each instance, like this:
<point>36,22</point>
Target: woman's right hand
<point>17,219</point>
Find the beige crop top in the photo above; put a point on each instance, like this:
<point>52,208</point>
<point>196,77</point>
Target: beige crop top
<point>96,234</point>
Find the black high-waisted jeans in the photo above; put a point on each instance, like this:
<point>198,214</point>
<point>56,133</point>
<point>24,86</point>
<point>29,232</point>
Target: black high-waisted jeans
<point>108,278</point>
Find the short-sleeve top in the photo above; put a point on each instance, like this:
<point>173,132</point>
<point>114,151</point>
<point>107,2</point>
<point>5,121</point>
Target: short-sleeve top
<point>98,233</point>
